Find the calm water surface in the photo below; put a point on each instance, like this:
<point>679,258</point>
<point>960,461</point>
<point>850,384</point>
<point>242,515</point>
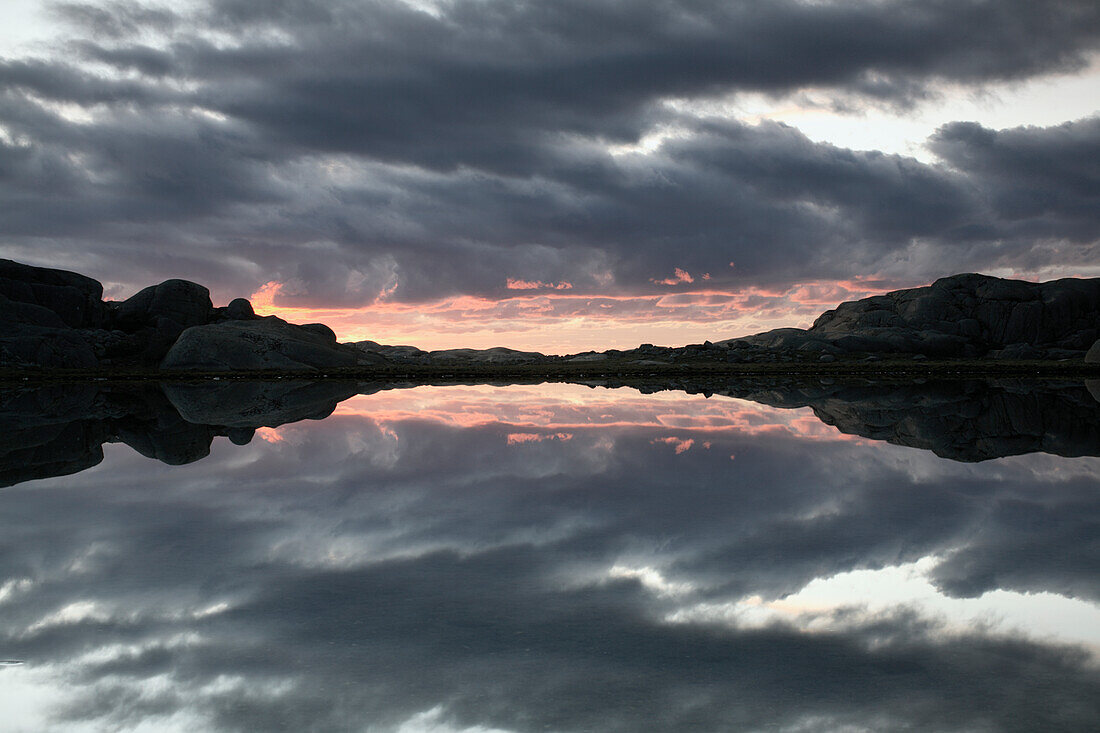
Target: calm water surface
<point>558,558</point>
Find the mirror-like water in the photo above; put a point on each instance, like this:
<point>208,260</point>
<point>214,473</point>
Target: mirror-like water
<point>552,557</point>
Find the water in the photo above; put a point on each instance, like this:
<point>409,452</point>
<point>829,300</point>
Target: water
<point>553,558</point>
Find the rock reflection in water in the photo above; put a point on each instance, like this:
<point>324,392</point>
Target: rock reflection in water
<point>59,430</point>
<point>631,562</point>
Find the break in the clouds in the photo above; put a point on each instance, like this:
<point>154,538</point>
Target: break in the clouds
<point>360,152</point>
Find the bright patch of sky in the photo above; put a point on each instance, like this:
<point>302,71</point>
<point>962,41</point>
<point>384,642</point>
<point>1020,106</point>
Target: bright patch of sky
<point>22,24</point>
<point>1037,102</point>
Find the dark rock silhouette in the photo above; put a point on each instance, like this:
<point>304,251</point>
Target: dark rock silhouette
<point>265,343</point>
<point>183,303</point>
<point>57,319</point>
<point>239,309</point>
<point>45,314</point>
<point>51,298</point>
<point>961,316</point>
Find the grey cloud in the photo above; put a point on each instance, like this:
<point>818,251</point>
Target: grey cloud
<point>447,154</point>
<point>1044,182</point>
<point>486,83</point>
<point>114,19</point>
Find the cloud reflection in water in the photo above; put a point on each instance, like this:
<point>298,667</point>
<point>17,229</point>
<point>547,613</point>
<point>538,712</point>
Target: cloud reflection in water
<point>404,565</point>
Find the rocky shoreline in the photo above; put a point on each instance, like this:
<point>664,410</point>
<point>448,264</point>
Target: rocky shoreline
<point>57,321</point>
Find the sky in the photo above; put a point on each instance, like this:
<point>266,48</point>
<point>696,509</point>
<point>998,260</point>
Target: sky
<point>559,176</point>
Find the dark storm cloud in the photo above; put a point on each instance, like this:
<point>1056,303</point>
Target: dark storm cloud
<point>486,84</point>
<point>1044,182</point>
<point>343,147</point>
<point>373,573</point>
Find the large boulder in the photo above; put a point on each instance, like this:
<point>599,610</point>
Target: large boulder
<point>75,300</point>
<point>264,343</point>
<point>239,309</point>
<point>180,301</point>
<point>158,314</point>
<point>963,316</point>
<point>970,315</point>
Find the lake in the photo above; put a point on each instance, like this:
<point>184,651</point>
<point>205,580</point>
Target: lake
<point>550,557</point>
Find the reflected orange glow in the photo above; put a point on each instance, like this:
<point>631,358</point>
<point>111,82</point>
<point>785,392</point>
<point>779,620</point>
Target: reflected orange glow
<point>553,319</point>
<point>678,276</point>
<point>542,412</point>
<point>680,445</point>
<point>271,435</point>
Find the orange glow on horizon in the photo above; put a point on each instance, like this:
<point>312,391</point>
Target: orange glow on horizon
<point>546,317</point>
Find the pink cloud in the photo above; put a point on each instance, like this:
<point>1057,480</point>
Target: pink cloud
<point>561,321</point>
<point>679,276</point>
<point>264,298</point>
<point>271,435</point>
<point>515,284</point>
<point>681,445</point>
<point>517,438</point>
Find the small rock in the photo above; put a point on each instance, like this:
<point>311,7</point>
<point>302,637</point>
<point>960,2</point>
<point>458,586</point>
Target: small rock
<point>239,309</point>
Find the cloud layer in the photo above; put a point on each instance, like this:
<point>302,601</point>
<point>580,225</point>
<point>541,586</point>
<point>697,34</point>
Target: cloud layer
<point>362,151</point>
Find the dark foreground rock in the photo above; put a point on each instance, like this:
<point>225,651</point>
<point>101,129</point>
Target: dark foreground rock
<point>266,343</point>
<point>57,320</point>
<point>50,298</point>
<point>964,316</point>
